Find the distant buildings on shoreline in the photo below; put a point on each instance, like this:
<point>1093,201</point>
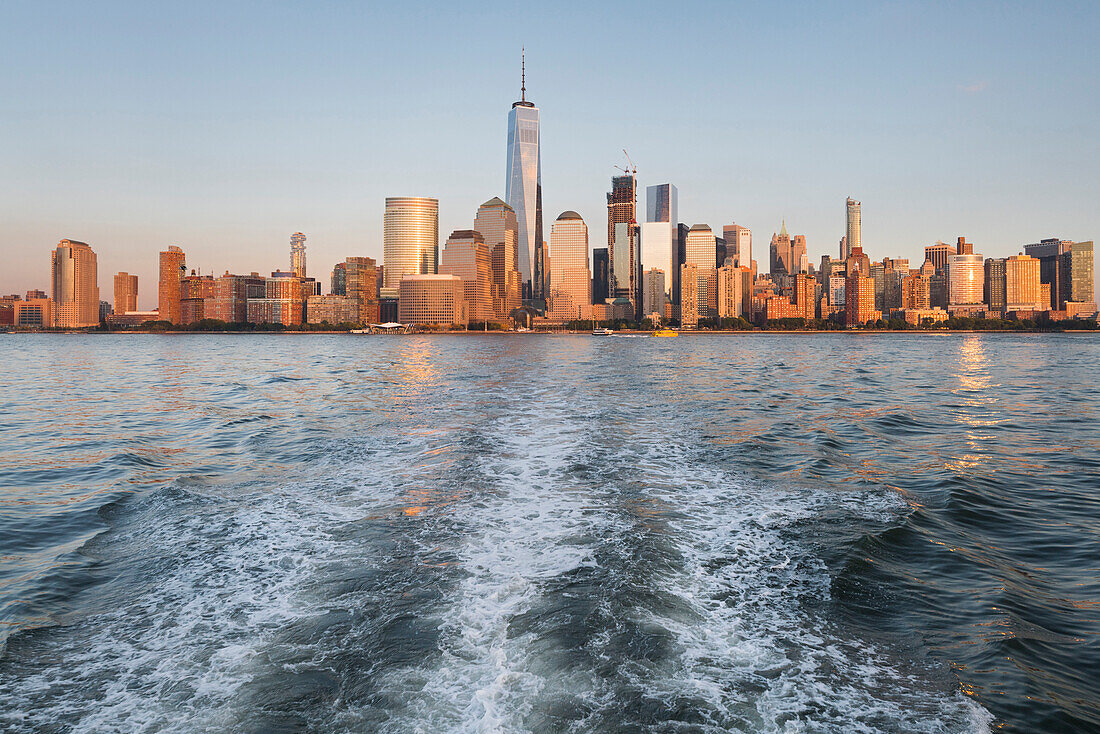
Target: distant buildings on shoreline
<point>502,270</point>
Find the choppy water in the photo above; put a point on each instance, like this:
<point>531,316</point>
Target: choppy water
<point>549,533</point>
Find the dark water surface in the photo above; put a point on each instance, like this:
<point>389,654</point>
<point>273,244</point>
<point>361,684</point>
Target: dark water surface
<point>819,533</point>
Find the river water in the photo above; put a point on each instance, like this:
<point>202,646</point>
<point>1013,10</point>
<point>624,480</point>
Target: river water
<point>779,533</point>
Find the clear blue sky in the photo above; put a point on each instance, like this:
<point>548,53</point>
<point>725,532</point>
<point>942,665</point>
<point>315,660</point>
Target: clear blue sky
<point>224,127</point>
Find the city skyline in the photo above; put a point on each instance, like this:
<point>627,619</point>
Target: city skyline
<point>983,167</point>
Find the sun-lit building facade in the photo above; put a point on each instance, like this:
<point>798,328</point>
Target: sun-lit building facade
<point>466,255</point>
<point>730,298</point>
<point>570,275</point>
<point>231,296</point>
<point>432,300</point>
<point>173,267</point>
<point>410,239</point>
<point>523,190</point>
<point>126,291</point>
<point>859,294</point>
<point>75,280</point>
<point>965,279</point>
<point>1022,285</point>
<point>738,244</point>
<point>497,223</point>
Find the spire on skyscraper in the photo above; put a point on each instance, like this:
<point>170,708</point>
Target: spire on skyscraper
<point>783,229</point>
<point>522,81</point>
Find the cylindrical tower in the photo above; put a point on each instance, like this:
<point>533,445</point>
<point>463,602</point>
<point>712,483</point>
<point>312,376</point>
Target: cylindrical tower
<point>410,239</point>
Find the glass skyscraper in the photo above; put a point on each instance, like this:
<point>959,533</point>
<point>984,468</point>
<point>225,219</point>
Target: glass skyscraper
<point>659,235</point>
<point>523,190</point>
<point>410,239</point>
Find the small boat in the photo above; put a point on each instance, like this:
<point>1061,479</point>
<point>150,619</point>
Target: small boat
<point>603,331</point>
<point>666,332</point>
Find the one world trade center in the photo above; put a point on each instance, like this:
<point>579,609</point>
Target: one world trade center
<point>523,190</point>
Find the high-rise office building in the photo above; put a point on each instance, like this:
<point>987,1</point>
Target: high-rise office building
<point>780,263</point>
<point>700,249</point>
<point>497,223</point>
<point>600,283</point>
<point>994,285</point>
<point>523,189</point>
<point>467,256</point>
<point>126,290</point>
<point>738,244</point>
<point>1022,287</point>
<point>937,254</point>
<point>681,233</point>
<point>570,277</point>
<point>75,285</point>
<point>966,279</point>
<point>854,234</point>
<point>298,254</point>
<point>1067,267</point>
<point>173,267</point>
<point>659,232</point>
<point>1077,263</point>
<point>410,239</point>
<point>799,262</point>
<point>624,242</point>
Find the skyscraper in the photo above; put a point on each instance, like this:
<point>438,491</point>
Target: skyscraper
<point>995,283</point>
<point>569,272</point>
<point>466,255</point>
<point>1022,285</point>
<point>1067,267</point>
<point>689,295</point>
<point>410,239</point>
<point>173,266</point>
<point>966,279</point>
<point>854,236</point>
<point>298,254</point>
<point>361,286</point>
<point>859,296</point>
<point>780,261</point>
<point>523,188</point>
<point>738,244</point>
<point>653,292</point>
<point>624,241</point>
<point>659,234</point>
<point>937,254</point>
<point>497,223</point>
<point>700,247</point>
<point>600,267</point>
<point>126,289</point>
<point>75,285</point>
